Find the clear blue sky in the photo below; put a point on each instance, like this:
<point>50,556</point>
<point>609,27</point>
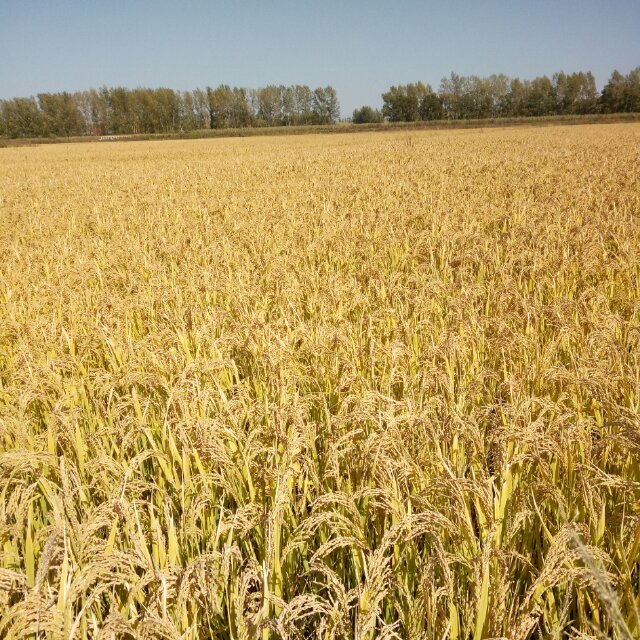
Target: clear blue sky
<point>361,48</point>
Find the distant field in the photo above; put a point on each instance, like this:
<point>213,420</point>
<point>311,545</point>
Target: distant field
<point>354,386</point>
<point>341,128</point>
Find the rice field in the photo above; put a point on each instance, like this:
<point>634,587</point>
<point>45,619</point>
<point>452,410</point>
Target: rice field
<point>383,385</point>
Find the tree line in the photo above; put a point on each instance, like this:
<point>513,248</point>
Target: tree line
<point>467,97</point>
<point>119,110</point>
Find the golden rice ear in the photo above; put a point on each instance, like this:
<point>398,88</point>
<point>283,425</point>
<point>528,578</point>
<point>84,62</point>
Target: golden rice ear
<point>315,387</point>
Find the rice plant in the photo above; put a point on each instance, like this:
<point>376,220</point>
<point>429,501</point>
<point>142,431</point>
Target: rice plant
<point>375,386</point>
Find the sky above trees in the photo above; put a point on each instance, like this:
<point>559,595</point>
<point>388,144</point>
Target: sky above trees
<point>360,48</point>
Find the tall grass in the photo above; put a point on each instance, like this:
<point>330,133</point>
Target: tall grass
<point>373,386</point>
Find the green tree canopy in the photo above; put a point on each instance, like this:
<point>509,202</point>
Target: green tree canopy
<point>366,114</point>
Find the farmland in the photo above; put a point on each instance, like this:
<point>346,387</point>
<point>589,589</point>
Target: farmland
<point>383,385</point>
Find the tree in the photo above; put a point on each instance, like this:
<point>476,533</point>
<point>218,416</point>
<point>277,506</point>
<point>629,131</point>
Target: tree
<point>430,106</point>
<point>326,108</point>
<point>187,111</point>
<point>478,100</point>
<point>396,105</point>
<point>142,116</point>
<point>367,115</point>
<point>84,105</point>
<point>303,97</point>
<point>102,108</point>
<point>229,107</point>
<point>498,90</point>
<point>632,94</point>
<point>21,118</point>
<point>452,96</point>
<point>269,105</point>
<point>411,102</point>
<point>61,115</point>
<point>200,105</point>
<point>287,105</point>
<point>119,110</point>
<point>575,93</point>
<point>219,103</point>
<point>241,114</point>
<point>540,99</point>
<point>167,107</point>
<point>613,95</point>
<point>513,102</point>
